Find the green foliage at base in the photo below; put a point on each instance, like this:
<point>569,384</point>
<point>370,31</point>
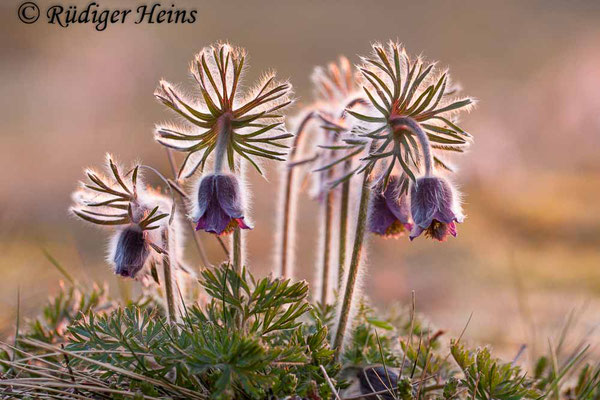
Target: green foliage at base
<point>259,339</point>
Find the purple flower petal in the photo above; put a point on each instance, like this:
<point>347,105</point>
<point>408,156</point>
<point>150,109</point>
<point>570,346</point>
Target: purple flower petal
<point>432,208</point>
<point>228,195</point>
<point>219,204</point>
<point>205,192</point>
<point>131,252</point>
<point>416,232</point>
<point>388,211</point>
<point>242,224</point>
<point>214,220</point>
<point>452,229</point>
<point>380,217</point>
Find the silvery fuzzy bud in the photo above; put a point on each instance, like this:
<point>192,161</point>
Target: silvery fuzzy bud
<point>219,208</point>
<point>389,212</point>
<point>376,380</point>
<point>131,252</point>
<point>435,208</point>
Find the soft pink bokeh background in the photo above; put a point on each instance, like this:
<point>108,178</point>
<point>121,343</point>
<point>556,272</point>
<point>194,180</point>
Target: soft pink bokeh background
<point>530,249</point>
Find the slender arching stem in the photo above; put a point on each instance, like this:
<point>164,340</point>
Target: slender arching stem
<point>288,198</point>
<point>168,279</point>
<point>353,268</point>
<point>325,260</point>
<point>343,233</point>
<point>414,127</point>
<point>344,203</point>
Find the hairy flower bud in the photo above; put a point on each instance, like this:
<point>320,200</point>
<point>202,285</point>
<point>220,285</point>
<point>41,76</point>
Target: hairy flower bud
<point>219,204</point>
<point>389,212</point>
<point>378,380</point>
<point>131,251</point>
<point>434,207</point>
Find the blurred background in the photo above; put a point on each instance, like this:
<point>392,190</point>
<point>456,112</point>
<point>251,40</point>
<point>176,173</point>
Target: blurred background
<point>528,254</point>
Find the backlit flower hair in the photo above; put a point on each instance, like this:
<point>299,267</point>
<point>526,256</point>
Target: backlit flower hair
<point>222,117</point>
<point>336,89</point>
<point>403,94</point>
<point>409,125</point>
<point>138,215</point>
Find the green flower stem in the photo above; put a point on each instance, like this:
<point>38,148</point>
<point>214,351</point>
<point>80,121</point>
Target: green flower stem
<point>354,265</point>
<point>343,233</point>
<point>169,280</point>
<point>327,225</point>
<point>288,196</point>
<point>223,139</point>
<point>237,250</point>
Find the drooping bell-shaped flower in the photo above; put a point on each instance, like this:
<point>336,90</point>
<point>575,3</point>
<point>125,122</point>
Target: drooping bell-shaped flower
<point>132,251</point>
<point>219,209</point>
<point>389,212</point>
<point>435,208</point>
<point>137,216</point>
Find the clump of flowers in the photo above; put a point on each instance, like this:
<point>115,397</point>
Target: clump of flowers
<point>379,135</point>
<point>400,140</point>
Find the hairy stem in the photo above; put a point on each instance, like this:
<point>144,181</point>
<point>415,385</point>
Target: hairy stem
<point>237,250</point>
<point>288,223</point>
<point>169,280</point>
<point>354,266</point>
<point>343,233</point>
<point>223,138</point>
<point>325,261</point>
<point>414,127</point>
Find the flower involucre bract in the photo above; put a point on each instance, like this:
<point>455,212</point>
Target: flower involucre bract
<point>248,124</point>
<point>402,89</point>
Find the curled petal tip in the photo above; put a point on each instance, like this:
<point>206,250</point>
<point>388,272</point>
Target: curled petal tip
<point>242,224</point>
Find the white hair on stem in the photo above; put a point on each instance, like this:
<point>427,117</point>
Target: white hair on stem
<point>289,188</point>
<point>335,243</point>
<point>357,295</point>
<point>246,200</point>
<point>286,267</point>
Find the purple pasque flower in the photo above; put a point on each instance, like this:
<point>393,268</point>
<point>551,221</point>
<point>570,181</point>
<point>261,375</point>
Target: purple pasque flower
<point>435,208</point>
<point>219,207</point>
<point>389,212</point>
<point>132,251</point>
